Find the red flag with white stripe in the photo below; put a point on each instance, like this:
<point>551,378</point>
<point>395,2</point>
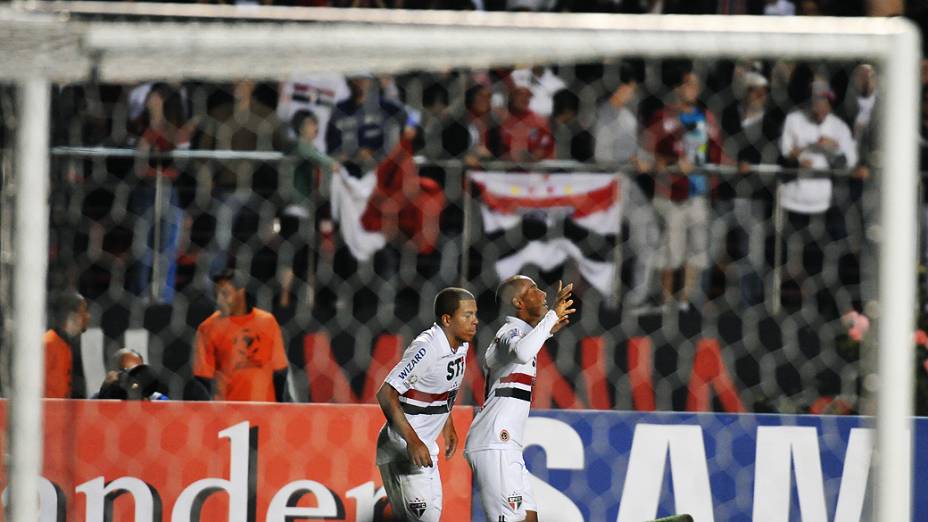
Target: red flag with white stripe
<point>592,201</point>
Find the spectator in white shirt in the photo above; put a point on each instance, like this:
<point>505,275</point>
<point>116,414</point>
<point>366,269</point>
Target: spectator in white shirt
<point>814,138</point>
<point>616,129</point>
<point>815,233</point>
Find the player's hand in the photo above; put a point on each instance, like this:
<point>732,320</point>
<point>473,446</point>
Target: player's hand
<point>562,306</point>
<point>561,323</point>
<point>451,442</point>
<point>419,453</point>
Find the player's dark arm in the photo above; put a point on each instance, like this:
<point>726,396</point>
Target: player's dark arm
<point>451,437</point>
<point>389,400</point>
<point>280,384</point>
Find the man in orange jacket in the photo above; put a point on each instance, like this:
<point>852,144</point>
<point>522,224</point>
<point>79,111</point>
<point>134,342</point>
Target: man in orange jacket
<point>63,376</point>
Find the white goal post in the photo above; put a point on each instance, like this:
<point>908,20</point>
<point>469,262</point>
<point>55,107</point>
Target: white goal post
<point>55,42</point>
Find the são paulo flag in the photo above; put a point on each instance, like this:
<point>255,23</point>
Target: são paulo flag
<point>587,201</point>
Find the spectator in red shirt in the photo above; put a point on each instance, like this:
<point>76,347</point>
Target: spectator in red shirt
<point>683,137</point>
<point>525,135</point>
<point>239,353</point>
<point>63,375</point>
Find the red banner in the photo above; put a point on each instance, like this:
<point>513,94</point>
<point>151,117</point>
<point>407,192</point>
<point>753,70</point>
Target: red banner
<point>221,462</point>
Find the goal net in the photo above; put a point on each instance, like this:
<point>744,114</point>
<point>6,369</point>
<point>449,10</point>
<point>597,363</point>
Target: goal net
<point>734,199</point>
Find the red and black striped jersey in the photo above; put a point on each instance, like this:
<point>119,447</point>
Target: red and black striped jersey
<point>427,378</point>
<point>510,367</point>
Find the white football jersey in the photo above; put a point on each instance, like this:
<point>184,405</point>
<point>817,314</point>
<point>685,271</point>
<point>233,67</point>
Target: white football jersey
<point>427,378</point>
<point>511,368</point>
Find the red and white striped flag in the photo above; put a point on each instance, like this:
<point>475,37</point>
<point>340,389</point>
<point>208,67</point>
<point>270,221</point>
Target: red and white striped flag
<point>592,201</point>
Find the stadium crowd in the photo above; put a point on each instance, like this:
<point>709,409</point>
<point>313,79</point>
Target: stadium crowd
<point>671,127</point>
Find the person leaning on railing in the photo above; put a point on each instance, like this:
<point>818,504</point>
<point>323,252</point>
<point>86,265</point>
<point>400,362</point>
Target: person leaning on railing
<point>305,125</point>
<point>683,137</point>
<point>166,128</point>
<point>471,132</point>
<point>752,126</point>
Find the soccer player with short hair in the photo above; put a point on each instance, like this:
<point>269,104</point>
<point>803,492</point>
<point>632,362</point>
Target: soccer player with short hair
<point>416,398</point>
<point>495,441</point>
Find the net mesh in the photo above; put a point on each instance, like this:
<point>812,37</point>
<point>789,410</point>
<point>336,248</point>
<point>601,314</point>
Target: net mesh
<point>349,216</point>
<point>715,216</point>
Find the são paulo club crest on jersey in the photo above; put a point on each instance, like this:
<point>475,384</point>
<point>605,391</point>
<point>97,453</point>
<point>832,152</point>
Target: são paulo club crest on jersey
<point>515,502</point>
<point>418,506</point>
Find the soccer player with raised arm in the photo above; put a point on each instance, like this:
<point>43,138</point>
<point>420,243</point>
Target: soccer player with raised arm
<point>495,441</point>
<point>416,399</point>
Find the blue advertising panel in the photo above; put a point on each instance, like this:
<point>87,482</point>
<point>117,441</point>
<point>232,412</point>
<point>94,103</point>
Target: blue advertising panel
<point>631,467</point>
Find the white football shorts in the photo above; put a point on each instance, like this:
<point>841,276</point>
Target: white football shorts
<point>503,484</point>
<point>413,491</point>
